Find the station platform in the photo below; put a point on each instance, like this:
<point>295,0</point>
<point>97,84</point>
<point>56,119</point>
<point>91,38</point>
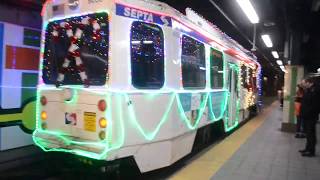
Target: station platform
<point>256,151</point>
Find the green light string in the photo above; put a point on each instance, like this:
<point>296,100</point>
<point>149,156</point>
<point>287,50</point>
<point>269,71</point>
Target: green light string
<point>73,151</point>
<point>102,155</point>
<point>229,128</point>
<point>202,107</point>
<point>226,119</point>
<point>223,107</point>
<point>38,110</point>
<point>109,146</point>
<point>108,117</point>
<point>149,135</point>
<point>67,141</point>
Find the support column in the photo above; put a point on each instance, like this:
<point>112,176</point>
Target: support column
<point>292,78</point>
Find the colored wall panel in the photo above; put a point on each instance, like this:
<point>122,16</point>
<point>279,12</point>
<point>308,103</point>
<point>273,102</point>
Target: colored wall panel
<point>12,137</point>
<point>18,76</point>
<point>11,89</point>
<point>19,58</point>
<point>22,58</point>
<point>13,35</point>
<point>31,37</point>
<point>29,83</point>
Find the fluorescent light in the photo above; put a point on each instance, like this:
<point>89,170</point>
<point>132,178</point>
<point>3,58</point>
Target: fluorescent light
<point>279,62</point>
<point>267,40</point>
<point>283,69</point>
<point>248,9</point>
<point>147,42</point>
<point>275,54</point>
<point>135,42</point>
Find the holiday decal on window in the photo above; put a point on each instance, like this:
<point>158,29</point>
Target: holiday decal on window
<point>76,51</point>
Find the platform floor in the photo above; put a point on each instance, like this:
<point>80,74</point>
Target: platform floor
<point>257,151</point>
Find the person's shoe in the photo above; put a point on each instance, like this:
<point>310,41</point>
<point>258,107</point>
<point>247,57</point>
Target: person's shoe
<point>303,151</point>
<point>297,136</point>
<point>300,136</point>
<point>308,154</point>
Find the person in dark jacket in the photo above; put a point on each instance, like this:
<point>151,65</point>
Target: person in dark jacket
<point>310,114</point>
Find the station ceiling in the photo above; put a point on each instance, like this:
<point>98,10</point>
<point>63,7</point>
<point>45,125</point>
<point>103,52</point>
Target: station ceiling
<point>277,18</point>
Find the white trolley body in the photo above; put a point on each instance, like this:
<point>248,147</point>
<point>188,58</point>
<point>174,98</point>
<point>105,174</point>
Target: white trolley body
<point>137,78</point>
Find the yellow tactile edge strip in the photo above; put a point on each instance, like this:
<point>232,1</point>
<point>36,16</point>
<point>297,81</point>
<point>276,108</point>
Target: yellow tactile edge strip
<point>206,165</point>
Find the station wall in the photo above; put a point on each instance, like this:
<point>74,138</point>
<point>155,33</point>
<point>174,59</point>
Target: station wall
<point>19,60</point>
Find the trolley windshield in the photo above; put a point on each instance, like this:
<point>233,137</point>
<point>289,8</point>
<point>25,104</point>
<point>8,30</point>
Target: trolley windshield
<point>76,50</point>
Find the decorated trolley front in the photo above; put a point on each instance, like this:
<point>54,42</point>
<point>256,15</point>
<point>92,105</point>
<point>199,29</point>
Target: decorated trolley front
<point>137,79</point>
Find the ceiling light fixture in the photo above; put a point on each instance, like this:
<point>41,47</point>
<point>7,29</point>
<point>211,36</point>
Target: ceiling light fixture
<point>248,9</point>
<point>275,54</point>
<point>267,40</point>
<point>279,62</point>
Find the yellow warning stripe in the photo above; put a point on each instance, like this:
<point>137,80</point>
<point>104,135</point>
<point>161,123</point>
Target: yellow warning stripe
<point>206,165</point>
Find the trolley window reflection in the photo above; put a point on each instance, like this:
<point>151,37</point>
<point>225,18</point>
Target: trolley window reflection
<point>193,64</point>
<point>216,73</point>
<point>147,56</point>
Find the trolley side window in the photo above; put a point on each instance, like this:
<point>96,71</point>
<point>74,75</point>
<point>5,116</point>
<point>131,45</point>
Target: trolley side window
<point>251,79</point>
<point>193,64</point>
<point>216,67</point>
<point>244,75</point>
<point>147,56</point>
<point>76,50</point>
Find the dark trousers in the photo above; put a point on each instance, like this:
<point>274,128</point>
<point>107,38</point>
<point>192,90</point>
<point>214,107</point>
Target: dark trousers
<point>300,125</point>
<point>311,135</point>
